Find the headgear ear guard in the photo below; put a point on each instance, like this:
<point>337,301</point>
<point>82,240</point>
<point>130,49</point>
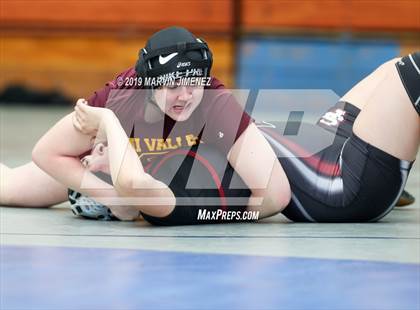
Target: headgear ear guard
<point>176,51</point>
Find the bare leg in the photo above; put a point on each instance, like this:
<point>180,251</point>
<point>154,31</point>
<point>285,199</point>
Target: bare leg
<point>362,91</point>
<point>388,120</point>
<point>29,186</point>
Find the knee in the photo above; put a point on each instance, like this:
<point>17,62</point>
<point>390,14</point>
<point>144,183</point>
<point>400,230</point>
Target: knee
<point>390,64</point>
<point>393,61</point>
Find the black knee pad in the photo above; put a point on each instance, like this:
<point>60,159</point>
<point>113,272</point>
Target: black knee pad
<point>409,70</point>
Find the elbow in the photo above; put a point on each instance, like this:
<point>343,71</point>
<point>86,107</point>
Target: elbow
<point>278,190</point>
<point>282,195</point>
<point>129,185</point>
<point>43,156</point>
<point>124,186</point>
<point>38,155</point>
<point>276,199</point>
<point>283,198</point>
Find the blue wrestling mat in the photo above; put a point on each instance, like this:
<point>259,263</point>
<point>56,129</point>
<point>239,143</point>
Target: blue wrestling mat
<point>83,278</point>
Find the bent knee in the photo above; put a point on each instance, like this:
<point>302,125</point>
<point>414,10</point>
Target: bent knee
<point>393,61</point>
<point>389,65</point>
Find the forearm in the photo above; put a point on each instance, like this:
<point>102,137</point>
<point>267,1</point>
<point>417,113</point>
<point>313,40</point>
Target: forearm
<point>125,165</point>
<point>70,172</point>
<point>58,157</point>
<point>273,197</point>
<point>265,204</point>
<point>266,180</point>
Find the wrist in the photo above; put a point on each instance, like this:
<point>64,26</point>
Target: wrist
<point>108,117</point>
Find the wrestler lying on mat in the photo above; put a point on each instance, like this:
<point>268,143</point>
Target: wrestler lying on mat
<point>358,178</point>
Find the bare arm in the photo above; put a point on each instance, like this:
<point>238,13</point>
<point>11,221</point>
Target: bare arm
<point>124,165</point>
<point>127,173</point>
<point>255,161</point>
<point>57,154</point>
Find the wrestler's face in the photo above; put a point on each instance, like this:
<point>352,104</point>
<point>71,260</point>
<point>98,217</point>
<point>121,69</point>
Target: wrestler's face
<point>98,159</point>
<point>178,102</point>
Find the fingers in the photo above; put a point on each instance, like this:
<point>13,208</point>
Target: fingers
<point>81,105</point>
<point>79,115</point>
<point>79,124</point>
<point>82,101</point>
<point>80,110</point>
<point>85,117</point>
<point>76,123</point>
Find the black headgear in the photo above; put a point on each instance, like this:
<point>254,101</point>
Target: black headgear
<point>174,52</point>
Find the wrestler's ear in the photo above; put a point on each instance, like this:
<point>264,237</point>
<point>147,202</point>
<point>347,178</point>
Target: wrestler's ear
<point>100,148</point>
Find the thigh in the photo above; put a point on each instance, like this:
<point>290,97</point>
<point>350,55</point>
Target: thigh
<point>389,121</point>
<point>366,188</point>
<point>359,94</point>
<point>29,186</point>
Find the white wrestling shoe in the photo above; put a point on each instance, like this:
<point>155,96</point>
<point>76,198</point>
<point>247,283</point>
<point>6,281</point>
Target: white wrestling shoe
<point>88,208</point>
